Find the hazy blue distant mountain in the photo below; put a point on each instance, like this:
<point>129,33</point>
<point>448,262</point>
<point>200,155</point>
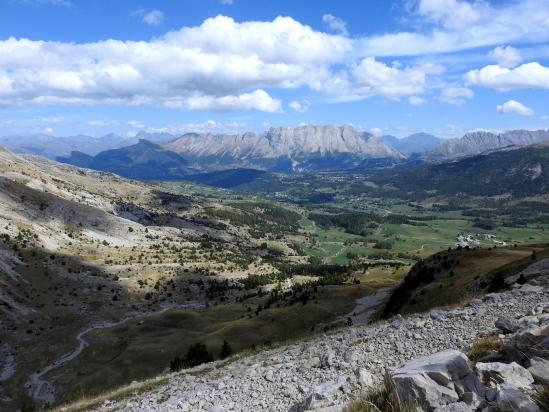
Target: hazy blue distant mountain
<point>415,143</point>
<point>304,148</point>
<point>52,146</point>
<point>481,141</point>
<point>143,160</point>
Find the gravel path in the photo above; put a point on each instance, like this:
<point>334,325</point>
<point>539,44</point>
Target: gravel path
<point>282,378</point>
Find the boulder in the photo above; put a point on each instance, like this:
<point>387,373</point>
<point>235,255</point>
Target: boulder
<point>511,399</point>
<point>495,373</point>
<point>507,325</point>
<point>437,380</point>
<point>539,368</point>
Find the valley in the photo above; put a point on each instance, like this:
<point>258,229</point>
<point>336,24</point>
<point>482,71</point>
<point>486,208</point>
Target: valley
<point>108,280</point>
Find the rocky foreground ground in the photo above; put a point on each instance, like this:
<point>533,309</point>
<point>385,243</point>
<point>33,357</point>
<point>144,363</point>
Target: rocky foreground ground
<point>329,371</point>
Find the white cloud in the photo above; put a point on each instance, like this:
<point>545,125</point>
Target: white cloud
<point>258,100</point>
<point>506,56</point>
<point>416,100</point>
<point>48,130</point>
<point>456,95</point>
<point>300,107</point>
<point>479,25</point>
<point>452,14</point>
<point>529,75</point>
<point>227,2</point>
<point>212,66</point>
<point>153,18</point>
<point>374,78</point>
<point>335,24</point>
<point>512,106</point>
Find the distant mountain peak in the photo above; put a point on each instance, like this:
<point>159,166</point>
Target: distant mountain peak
<point>477,142</point>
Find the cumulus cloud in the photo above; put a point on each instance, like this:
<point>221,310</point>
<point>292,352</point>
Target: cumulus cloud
<point>335,24</point>
<point>529,75</point>
<point>456,95</point>
<point>259,100</point>
<point>219,65</point>
<point>299,106</point>
<point>153,18</point>
<point>512,106</point>
<point>370,77</point>
<point>506,56</point>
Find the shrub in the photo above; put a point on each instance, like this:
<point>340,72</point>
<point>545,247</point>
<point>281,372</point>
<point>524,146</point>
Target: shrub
<point>196,355</point>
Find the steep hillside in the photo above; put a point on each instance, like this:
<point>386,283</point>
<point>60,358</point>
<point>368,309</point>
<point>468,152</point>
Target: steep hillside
<point>517,170</point>
<point>81,248</point>
<point>144,160</point>
<point>330,371</point>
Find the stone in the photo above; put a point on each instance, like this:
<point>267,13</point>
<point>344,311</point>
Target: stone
<point>527,288</point>
<point>495,373</point>
<point>327,360</point>
<point>539,369</point>
<point>511,399</point>
<point>437,380</point>
<point>364,378</point>
<point>313,362</point>
<point>269,375</point>
<point>324,394</point>
<point>507,325</point>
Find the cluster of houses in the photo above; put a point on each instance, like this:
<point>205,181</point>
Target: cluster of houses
<point>471,240</point>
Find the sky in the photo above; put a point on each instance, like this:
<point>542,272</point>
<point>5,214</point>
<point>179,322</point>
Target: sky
<point>227,66</point>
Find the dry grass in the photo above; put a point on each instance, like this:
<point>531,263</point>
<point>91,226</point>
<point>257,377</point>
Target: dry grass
<point>484,346</point>
<point>383,399</point>
<point>542,399</point>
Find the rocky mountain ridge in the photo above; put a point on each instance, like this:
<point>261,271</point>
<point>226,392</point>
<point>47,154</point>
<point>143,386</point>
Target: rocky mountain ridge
<point>482,141</point>
<point>330,371</point>
<point>284,149</point>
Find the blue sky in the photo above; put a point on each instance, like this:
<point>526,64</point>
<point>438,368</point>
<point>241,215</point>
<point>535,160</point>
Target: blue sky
<point>392,67</point>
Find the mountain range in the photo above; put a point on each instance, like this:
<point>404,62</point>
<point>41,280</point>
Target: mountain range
<point>303,148</point>
<point>288,150</point>
<point>53,146</point>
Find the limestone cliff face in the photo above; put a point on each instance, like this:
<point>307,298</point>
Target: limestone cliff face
<point>296,148</point>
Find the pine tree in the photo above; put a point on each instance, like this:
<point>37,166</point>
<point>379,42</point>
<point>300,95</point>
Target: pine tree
<point>226,350</point>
